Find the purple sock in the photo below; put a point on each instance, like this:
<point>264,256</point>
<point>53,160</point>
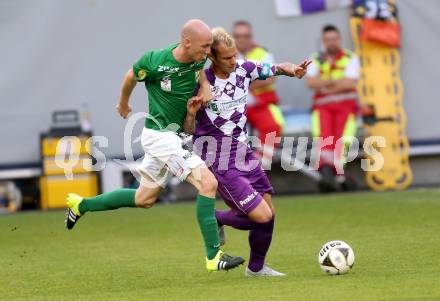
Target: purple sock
<point>259,241</point>
<point>230,218</point>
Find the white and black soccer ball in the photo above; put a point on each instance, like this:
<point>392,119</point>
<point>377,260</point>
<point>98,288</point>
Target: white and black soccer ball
<point>336,257</point>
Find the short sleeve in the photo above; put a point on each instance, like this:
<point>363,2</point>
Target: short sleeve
<point>269,58</point>
<point>312,70</point>
<point>353,68</point>
<point>143,69</point>
<point>257,70</point>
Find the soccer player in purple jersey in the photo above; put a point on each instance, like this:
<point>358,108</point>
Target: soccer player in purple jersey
<point>242,183</point>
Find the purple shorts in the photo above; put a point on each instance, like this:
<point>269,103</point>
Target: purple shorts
<point>242,191</point>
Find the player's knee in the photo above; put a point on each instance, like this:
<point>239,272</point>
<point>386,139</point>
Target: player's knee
<point>145,202</point>
<point>208,184</point>
<point>263,217</point>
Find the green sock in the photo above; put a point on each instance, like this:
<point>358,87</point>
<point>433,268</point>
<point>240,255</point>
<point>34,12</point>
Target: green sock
<point>109,201</point>
<point>208,224</point>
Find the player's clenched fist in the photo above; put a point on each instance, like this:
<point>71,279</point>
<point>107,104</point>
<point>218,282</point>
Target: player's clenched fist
<point>123,110</point>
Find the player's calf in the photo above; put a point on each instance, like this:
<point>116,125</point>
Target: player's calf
<point>147,193</point>
<point>145,202</point>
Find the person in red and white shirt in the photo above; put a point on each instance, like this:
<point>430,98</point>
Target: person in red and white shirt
<point>333,76</point>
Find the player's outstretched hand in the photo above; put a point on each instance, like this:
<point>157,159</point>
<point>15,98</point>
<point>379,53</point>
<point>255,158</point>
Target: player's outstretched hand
<point>194,104</point>
<point>123,110</point>
<point>301,69</point>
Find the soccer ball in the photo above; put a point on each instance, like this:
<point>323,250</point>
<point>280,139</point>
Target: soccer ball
<point>336,257</point>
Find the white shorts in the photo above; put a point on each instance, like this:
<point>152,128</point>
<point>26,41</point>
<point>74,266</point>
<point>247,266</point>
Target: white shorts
<point>165,157</point>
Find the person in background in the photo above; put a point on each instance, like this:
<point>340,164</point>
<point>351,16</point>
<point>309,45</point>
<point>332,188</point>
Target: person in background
<point>263,112</point>
<point>333,76</point>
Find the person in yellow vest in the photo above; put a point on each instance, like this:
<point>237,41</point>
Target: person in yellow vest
<point>263,112</point>
<point>333,75</point>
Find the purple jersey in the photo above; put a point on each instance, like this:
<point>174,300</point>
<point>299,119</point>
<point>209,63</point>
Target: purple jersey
<point>225,116</point>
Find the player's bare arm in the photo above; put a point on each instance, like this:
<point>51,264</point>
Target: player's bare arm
<point>128,85</point>
<point>193,106</point>
<point>205,89</point>
<point>292,70</point>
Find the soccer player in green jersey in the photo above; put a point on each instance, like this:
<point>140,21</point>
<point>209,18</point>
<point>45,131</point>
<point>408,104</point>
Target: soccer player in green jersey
<point>170,76</point>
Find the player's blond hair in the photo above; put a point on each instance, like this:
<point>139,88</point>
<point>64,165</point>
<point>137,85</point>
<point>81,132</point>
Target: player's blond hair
<point>220,35</point>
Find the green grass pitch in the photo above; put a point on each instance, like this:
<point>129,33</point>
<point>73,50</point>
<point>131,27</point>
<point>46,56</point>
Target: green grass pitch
<point>157,254</point>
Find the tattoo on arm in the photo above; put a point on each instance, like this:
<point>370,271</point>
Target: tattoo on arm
<point>280,69</point>
<point>189,125</point>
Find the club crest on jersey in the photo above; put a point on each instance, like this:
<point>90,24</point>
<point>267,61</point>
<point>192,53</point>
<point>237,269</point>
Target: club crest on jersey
<point>165,84</point>
<point>142,74</point>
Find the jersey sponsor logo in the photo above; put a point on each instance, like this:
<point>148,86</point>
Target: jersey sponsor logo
<point>187,156</point>
<point>165,84</point>
<point>167,69</point>
<point>227,105</point>
<point>142,74</point>
<point>248,198</point>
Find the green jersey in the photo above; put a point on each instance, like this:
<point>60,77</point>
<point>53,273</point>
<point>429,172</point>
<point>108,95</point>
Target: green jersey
<point>169,84</point>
